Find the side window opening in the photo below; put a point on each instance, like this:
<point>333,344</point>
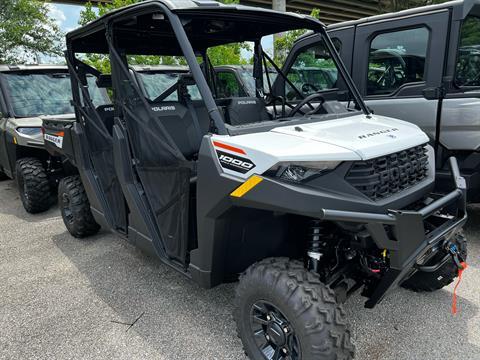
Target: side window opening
<point>157,83</point>
<point>395,59</point>
<point>468,57</point>
<point>313,70</point>
<point>228,85</point>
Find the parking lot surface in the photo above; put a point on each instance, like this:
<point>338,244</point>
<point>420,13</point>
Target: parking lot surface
<point>64,298</point>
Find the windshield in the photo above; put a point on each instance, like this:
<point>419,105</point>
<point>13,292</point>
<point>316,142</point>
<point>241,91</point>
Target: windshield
<point>34,94</point>
<point>468,58</point>
<point>312,70</point>
<point>156,84</point>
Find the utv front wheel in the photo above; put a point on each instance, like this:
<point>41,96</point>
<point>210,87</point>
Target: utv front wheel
<point>75,208</point>
<point>33,185</point>
<point>432,281</point>
<point>283,311</point>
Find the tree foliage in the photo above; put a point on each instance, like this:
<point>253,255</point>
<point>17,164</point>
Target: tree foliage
<point>283,43</point>
<point>26,31</point>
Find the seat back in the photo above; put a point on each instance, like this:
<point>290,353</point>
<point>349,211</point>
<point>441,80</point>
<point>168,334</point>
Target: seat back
<point>106,113</point>
<point>245,110</point>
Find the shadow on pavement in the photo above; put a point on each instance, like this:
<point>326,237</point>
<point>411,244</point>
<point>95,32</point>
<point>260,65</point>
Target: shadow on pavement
<point>405,325</point>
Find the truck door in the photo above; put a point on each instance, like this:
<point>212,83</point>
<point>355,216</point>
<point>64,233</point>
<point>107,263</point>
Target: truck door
<point>395,60</point>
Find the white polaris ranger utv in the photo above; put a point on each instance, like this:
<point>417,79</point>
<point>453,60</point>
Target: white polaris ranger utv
<point>307,202</point>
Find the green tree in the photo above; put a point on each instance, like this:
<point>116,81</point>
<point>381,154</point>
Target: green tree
<point>26,31</point>
<point>282,44</point>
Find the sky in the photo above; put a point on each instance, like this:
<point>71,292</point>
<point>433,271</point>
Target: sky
<point>65,15</point>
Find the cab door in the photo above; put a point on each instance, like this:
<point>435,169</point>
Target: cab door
<point>396,60</point>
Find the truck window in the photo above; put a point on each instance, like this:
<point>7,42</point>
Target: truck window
<point>395,59</point>
<point>313,70</point>
<point>228,85</point>
<point>468,59</point>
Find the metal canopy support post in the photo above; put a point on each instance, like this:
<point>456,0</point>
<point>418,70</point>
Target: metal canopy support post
<point>279,5</point>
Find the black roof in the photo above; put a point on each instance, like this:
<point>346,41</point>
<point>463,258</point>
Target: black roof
<point>144,28</point>
<point>462,9</point>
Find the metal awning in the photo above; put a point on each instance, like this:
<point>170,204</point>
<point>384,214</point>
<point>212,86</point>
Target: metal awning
<point>331,11</point>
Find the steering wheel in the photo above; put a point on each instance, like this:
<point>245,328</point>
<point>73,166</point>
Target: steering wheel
<point>305,101</point>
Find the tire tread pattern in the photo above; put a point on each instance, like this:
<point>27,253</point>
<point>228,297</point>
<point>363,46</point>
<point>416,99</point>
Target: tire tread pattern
<point>36,192</point>
<point>83,223</point>
<point>324,321</point>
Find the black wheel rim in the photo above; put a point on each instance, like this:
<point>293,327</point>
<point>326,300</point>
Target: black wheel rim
<point>67,211</point>
<point>273,333</point>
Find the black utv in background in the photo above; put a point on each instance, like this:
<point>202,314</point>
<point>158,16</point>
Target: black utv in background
<point>420,65</point>
<point>304,199</point>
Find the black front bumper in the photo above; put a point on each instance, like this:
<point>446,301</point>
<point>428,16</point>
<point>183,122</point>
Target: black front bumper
<point>412,244</point>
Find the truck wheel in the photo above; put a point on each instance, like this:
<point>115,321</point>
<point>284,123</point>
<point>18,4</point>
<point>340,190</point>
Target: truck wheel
<point>33,185</point>
<point>432,281</point>
<point>283,311</point>
<point>75,208</point>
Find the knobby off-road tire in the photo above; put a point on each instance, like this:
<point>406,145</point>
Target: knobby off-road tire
<point>283,311</point>
<point>75,208</point>
<point>33,185</point>
<point>428,282</point>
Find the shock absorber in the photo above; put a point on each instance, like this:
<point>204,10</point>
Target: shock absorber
<point>316,232</point>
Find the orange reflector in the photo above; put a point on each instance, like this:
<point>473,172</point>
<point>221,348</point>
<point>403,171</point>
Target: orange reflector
<point>15,140</point>
<point>247,186</point>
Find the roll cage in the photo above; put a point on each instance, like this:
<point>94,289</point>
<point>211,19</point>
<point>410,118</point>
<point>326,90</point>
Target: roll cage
<point>186,37</point>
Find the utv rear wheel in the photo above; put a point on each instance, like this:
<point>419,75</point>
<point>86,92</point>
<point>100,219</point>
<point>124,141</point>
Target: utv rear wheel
<point>432,281</point>
<point>75,208</point>
<point>283,311</point>
<point>33,185</point>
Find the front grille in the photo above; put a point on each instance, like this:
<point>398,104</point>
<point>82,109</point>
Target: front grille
<point>387,175</point>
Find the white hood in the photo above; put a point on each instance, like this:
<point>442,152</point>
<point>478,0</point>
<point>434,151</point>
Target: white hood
<point>368,137</point>
<point>349,139</point>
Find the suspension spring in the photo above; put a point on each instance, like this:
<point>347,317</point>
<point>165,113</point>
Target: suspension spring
<point>316,233</point>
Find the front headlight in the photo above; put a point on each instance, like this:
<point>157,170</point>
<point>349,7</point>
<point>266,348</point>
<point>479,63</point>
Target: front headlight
<point>30,131</point>
<point>302,171</point>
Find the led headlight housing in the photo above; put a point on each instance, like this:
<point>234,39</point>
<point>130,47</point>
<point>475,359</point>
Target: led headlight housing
<point>299,172</point>
<point>29,131</point>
